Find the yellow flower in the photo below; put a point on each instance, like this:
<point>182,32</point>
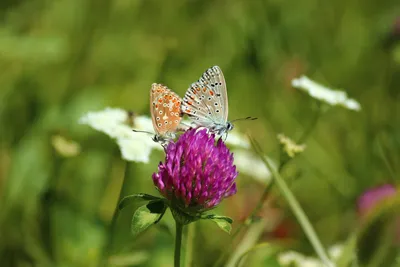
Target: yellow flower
<point>289,146</point>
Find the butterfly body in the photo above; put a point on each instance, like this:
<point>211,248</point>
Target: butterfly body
<point>206,102</point>
<point>165,107</point>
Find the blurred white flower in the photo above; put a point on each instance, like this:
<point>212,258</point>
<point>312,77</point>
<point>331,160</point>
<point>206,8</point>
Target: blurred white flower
<point>108,121</point>
<point>325,94</point>
<point>335,251</point>
<point>251,165</point>
<point>118,124</point>
<point>293,258</point>
<point>238,140</point>
<point>289,146</point>
<point>115,123</point>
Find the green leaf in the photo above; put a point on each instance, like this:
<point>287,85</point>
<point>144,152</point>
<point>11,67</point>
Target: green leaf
<point>225,223</point>
<point>348,252</point>
<point>268,250</point>
<point>147,215</point>
<point>135,197</point>
<point>165,228</point>
<point>134,258</point>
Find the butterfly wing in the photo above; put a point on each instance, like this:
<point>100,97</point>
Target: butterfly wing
<point>215,79</point>
<point>165,108</point>
<point>206,101</point>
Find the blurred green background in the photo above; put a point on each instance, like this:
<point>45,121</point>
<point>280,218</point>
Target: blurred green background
<point>60,59</point>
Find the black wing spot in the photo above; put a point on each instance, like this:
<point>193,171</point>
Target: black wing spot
<point>215,104</point>
<point>218,94</point>
<point>217,110</point>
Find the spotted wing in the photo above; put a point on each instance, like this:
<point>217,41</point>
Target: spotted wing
<point>206,101</point>
<point>165,108</point>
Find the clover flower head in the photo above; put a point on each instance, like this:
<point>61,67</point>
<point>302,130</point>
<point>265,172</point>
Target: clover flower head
<point>373,196</point>
<point>198,172</point>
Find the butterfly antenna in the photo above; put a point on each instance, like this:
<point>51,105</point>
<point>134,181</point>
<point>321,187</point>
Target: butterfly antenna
<point>137,131</point>
<point>247,118</point>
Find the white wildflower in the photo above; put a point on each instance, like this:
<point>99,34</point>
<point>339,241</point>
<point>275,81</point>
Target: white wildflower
<point>107,121</point>
<point>137,147</point>
<point>289,146</point>
<point>115,123</point>
<point>238,140</point>
<point>251,165</point>
<point>325,94</point>
<point>335,251</point>
<point>293,258</point>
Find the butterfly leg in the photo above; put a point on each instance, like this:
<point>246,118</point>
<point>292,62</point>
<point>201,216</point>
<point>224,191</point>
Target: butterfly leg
<point>226,136</point>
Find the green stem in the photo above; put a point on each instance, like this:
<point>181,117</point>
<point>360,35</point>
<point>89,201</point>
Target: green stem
<point>311,126</point>
<point>242,226</point>
<point>110,238</point>
<point>284,160</point>
<point>49,197</point>
<point>298,211</point>
<point>267,190</point>
<point>386,161</point>
<point>190,244</point>
<point>178,241</point>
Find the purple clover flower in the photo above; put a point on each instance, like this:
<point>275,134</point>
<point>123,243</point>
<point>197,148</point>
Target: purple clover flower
<point>373,196</point>
<point>197,173</point>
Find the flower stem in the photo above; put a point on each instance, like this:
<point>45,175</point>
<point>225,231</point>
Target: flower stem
<point>242,226</point>
<point>178,241</point>
<point>297,210</point>
<point>267,189</point>
<point>311,126</point>
<point>285,159</point>
<point>392,174</point>
<point>110,238</point>
<point>190,244</point>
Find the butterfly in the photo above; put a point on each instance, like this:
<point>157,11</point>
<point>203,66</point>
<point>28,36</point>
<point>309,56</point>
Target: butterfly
<point>165,107</point>
<point>206,102</point>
